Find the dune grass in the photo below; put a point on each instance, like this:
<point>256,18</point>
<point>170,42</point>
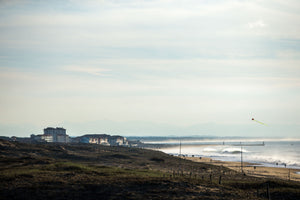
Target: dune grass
<point>77,171</point>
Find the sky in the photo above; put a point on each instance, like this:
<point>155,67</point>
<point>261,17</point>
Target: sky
<point>150,67</point>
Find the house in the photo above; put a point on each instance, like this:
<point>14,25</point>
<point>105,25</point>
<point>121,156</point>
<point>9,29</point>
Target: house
<point>118,141</point>
<point>96,139</point>
<point>104,139</point>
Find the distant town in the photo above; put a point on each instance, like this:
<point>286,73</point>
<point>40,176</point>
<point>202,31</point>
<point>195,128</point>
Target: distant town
<point>59,135</point>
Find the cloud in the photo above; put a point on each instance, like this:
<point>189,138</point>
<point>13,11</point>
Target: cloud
<point>157,60</point>
<point>10,3</point>
<point>87,70</point>
<point>164,29</point>
<point>256,24</point>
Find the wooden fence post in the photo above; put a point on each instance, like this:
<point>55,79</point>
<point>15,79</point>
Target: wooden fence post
<point>268,191</point>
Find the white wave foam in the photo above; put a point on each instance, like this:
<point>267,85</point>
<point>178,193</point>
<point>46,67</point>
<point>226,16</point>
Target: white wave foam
<point>233,150</point>
<point>208,149</point>
<point>275,160</point>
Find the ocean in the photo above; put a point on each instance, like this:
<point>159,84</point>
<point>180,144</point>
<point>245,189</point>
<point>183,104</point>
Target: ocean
<point>273,153</point>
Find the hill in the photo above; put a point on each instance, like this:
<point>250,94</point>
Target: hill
<point>86,171</point>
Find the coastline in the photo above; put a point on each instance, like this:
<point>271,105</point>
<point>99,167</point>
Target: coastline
<point>253,169</point>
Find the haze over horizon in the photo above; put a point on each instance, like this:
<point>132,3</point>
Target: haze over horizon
<point>151,67</point>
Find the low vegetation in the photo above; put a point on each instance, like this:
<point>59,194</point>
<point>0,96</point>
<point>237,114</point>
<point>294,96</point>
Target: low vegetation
<point>82,171</point>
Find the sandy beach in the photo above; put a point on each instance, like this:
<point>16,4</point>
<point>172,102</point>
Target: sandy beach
<point>253,169</point>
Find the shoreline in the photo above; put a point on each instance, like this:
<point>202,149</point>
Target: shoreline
<point>253,169</point>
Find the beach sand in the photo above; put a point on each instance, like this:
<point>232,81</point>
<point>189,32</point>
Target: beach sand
<point>253,169</point>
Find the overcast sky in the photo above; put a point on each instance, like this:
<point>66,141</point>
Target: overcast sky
<point>150,67</point>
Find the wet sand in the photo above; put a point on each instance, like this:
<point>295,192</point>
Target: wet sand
<point>253,169</point>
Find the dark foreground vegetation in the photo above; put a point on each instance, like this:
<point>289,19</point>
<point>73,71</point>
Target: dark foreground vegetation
<point>75,171</point>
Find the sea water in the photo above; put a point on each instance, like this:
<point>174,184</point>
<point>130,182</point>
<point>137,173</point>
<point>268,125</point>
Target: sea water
<point>269,153</point>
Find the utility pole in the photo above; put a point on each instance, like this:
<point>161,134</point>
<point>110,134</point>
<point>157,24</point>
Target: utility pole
<point>244,144</point>
<point>242,158</point>
<point>180,148</point>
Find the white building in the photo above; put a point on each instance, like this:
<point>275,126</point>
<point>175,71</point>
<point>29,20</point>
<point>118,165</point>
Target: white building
<point>58,134</point>
<point>118,141</point>
<point>52,135</point>
<point>104,139</point>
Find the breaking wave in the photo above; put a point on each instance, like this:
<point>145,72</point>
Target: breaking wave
<point>233,150</point>
<point>275,154</point>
